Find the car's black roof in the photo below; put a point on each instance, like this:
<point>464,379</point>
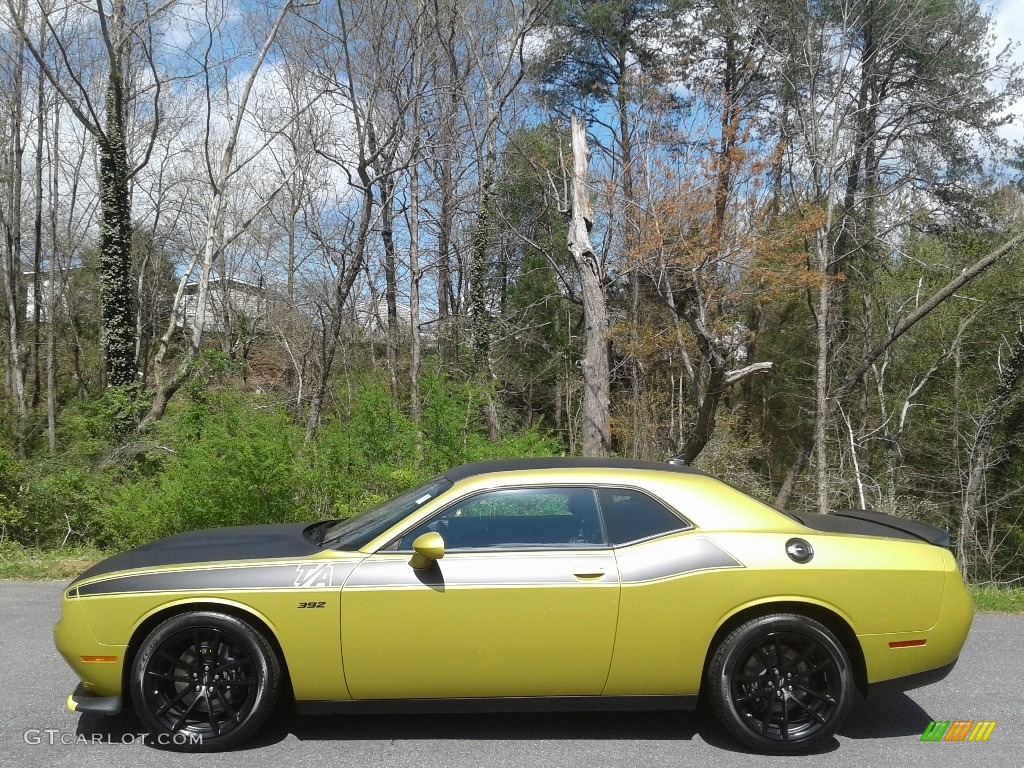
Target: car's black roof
<point>562,462</point>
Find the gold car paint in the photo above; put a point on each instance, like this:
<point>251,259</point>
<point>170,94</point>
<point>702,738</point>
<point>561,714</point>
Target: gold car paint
<point>944,640</point>
<point>75,639</point>
<point>665,654</point>
<point>539,631</point>
<point>308,636</point>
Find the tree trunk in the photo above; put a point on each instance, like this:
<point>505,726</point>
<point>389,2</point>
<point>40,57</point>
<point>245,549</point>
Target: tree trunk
<point>479,311</point>
<point>51,303</point>
<point>596,433</point>
<point>37,250</point>
<point>415,404</point>
<point>14,367</point>
<point>118,329</point>
<point>168,385</point>
<point>387,236</point>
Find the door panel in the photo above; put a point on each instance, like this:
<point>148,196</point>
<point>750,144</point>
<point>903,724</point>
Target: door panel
<point>480,624</point>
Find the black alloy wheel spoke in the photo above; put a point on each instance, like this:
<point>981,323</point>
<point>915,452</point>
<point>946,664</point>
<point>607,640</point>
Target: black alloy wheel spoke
<point>229,666</point>
<point>749,678</point>
<point>813,713</point>
<point>175,661</point>
<point>814,670</point>
<point>784,728</point>
<point>765,694</point>
<point>169,676</point>
<point>823,697</point>
<point>229,683</point>
<point>170,703</point>
<point>184,715</point>
<point>763,658</point>
<point>214,725</point>
<point>216,648</point>
<point>227,706</point>
<point>810,648</point>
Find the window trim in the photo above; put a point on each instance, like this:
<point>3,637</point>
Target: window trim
<point>687,524</point>
<point>392,546</point>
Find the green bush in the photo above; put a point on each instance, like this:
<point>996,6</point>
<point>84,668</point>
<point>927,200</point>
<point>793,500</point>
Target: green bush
<point>221,458</point>
<point>228,464</point>
<point>59,507</point>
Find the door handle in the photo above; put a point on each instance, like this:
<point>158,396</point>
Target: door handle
<point>588,572</point>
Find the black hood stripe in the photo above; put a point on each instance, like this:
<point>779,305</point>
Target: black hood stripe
<point>251,542</point>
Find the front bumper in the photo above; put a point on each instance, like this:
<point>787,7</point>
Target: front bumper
<point>84,700</point>
<point>98,666</point>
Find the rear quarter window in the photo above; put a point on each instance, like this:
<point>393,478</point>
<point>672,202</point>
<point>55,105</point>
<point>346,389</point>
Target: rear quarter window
<point>631,515</point>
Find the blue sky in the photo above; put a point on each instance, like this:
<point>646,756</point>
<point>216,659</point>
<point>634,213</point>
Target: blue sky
<point>1008,23</point>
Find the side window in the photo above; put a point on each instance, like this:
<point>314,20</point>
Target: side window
<point>521,518</point>
<point>631,515</point>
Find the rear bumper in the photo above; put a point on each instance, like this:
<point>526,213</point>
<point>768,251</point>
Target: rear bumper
<point>905,660</point>
<point>909,682</point>
<point>83,700</point>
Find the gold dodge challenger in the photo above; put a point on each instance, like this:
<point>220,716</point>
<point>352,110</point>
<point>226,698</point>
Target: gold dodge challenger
<point>561,583</point>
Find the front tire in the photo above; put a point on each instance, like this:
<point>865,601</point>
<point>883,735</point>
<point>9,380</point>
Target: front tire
<point>205,681</point>
<point>781,684</point>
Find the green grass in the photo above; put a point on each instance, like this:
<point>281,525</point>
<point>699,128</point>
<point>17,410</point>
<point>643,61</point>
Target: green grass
<point>17,562</point>
<point>994,599</point>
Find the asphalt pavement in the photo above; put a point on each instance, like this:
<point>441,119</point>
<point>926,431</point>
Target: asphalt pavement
<point>36,730</point>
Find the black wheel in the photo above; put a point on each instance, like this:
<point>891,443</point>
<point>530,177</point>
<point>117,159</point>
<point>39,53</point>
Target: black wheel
<point>204,681</point>
<point>781,684</point>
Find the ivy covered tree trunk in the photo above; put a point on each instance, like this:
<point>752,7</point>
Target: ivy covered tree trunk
<point>118,332</point>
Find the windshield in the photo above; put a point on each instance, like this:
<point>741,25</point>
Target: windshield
<point>358,531</point>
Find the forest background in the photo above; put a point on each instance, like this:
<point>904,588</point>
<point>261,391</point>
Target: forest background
<point>278,261</point>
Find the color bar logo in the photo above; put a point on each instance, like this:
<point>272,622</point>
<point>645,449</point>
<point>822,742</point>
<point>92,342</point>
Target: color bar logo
<point>958,730</point>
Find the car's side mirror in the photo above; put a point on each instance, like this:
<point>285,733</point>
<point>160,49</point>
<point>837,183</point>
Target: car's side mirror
<point>427,548</point>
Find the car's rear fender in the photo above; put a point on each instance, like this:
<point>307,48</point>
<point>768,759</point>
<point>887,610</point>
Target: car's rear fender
<point>831,617</point>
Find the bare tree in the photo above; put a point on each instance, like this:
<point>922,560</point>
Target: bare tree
<point>12,144</point>
<point>360,70</point>
<point>596,435</point>
<point>1007,390</point>
<point>215,240</point>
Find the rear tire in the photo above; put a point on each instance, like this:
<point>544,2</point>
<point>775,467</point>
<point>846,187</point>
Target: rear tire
<point>204,681</point>
<point>781,684</point>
